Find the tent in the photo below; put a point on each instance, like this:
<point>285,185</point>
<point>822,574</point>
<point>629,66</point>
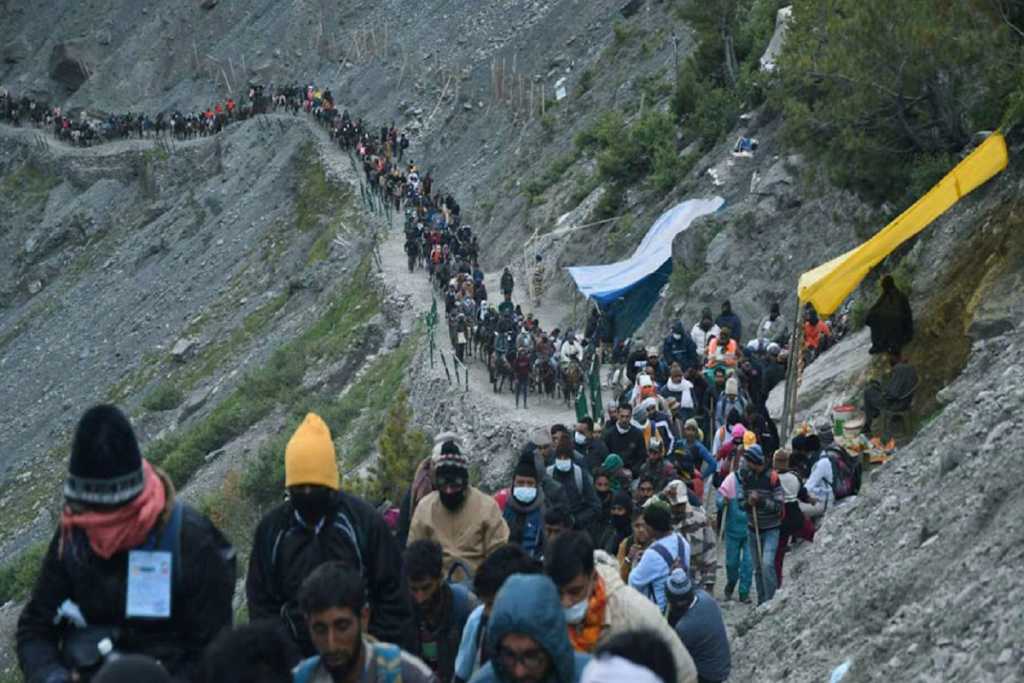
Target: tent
<point>828,285</point>
<point>627,290</point>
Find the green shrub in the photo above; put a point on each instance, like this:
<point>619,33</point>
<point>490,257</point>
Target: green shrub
<point>18,577</point>
<point>401,448</point>
<point>164,397</point>
<point>586,81</point>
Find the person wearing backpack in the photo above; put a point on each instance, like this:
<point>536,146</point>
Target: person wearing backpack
<point>764,502</point>
<point>578,485</point>
<point>320,523</point>
<point>440,608</point>
<point>120,520</point>
<point>333,600</point>
<point>667,551</point>
<point>598,606</point>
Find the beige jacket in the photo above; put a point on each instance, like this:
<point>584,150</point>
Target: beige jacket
<point>629,610</point>
<point>469,534</point>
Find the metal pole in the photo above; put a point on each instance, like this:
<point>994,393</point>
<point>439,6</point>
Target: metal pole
<point>675,50</point>
<point>792,377</point>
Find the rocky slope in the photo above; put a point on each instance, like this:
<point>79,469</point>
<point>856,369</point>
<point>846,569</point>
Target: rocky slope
<point>129,268</point>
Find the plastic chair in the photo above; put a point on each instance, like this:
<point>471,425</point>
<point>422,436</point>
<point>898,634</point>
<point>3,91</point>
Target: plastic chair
<point>903,412</point>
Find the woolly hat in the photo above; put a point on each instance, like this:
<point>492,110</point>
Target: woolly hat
<point>309,458</point>
<point>526,467</point>
<point>612,463</point>
<point>738,431</point>
<point>678,584</point>
<point>692,424</point>
<point>749,438</point>
<point>754,454</point>
<point>657,516</point>
<point>623,499</point>
<point>106,464</point>
<point>732,386</point>
<point>451,458</point>
<point>644,380</point>
<point>131,669</point>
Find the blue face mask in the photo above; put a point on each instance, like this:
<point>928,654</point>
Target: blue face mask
<point>563,465</point>
<point>525,494</point>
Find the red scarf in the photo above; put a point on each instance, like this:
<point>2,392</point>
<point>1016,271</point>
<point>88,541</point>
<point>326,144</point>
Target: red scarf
<point>122,528</point>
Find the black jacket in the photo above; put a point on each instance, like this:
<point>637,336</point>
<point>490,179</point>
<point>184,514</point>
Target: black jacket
<point>583,501</point>
<point>200,600</point>
<point>285,551</point>
<point>629,446</point>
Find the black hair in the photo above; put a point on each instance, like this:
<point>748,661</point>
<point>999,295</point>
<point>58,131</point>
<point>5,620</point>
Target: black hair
<point>332,585</point>
<point>587,420</point>
<point>556,428</point>
<point>646,478</point>
<point>259,652</point>
<point>558,515</point>
<point>643,647</point>
<point>569,555</point>
<point>625,404</point>
<point>423,559</point>
<point>658,518</point>
<point>507,560</point>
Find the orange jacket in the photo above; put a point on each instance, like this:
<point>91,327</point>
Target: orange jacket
<point>814,333</point>
<point>728,357</point>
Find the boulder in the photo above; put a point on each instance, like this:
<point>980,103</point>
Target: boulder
<point>183,348</point>
<point>71,65</point>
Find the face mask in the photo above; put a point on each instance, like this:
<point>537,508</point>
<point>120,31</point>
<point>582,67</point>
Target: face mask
<point>622,430</point>
<point>312,506</point>
<point>525,494</point>
<point>621,524</point>
<point>677,337</point>
<point>577,613</point>
<point>563,465</point>
<point>453,501</point>
<point>580,439</point>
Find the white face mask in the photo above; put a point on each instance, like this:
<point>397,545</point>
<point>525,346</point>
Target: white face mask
<point>563,465</point>
<point>577,613</point>
<point>525,494</point>
<point>580,439</point>
<point>677,337</point>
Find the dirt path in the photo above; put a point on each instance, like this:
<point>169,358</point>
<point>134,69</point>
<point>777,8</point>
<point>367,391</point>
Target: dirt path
<point>413,287</point>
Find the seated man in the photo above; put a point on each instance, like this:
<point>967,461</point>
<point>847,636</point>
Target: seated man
<point>896,394</point>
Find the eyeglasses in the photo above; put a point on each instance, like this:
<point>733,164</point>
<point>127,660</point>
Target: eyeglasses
<point>531,659</point>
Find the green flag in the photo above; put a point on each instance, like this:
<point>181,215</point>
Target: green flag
<point>595,394</point>
<point>581,405</point>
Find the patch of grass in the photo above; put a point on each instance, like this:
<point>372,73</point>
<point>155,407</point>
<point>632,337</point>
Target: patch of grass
<point>357,417</point>
<point>622,34</point>
<point>18,577</point>
<point>28,185</point>
<point>278,382</point>
<point>163,397</point>
<point>401,449</point>
<point>320,205</point>
<point>213,356</point>
<point>536,188</point>
<point>228,508</point>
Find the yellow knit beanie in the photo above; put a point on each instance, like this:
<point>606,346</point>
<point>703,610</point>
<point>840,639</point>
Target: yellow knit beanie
<point>310,457</point>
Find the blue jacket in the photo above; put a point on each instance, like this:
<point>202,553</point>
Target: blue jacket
<point>529,604</point>
<point>526,528</point>
<point>682,351</point>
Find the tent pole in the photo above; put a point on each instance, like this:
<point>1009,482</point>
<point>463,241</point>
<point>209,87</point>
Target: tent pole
<point>792,376</point>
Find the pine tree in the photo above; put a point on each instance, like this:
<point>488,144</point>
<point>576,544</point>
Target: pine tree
<point>401,448</point>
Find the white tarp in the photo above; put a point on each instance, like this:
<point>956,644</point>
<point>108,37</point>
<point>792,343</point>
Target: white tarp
<point>604,283</point>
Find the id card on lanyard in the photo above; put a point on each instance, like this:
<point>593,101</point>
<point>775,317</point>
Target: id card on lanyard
<point>149,585</point>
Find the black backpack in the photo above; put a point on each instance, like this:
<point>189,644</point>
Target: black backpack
<point>847,472</point>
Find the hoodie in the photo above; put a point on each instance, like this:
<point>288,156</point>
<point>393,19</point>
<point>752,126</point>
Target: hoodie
<point>529,605</point>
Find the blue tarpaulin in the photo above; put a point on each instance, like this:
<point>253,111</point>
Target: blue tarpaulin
<point>627,290</point>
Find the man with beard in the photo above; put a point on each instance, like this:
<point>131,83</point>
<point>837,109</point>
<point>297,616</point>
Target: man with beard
<point>465,521</point>
<point>319,523</point>
<point>440,609</point>
<point>333,601</point>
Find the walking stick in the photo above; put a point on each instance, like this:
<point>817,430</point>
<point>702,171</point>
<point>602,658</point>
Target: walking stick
<point>760,559</point>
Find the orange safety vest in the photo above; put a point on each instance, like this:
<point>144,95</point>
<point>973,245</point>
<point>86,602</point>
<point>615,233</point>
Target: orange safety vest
<point>729,357</point>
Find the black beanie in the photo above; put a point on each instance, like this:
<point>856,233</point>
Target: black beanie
<point>526,467</point>
<point>658,517</point>
<point>132,669</point>
<point>106,464</point>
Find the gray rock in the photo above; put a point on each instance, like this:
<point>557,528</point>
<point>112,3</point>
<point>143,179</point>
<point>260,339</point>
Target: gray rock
<point>15,51</point>
<point>71,64</point>
<point>184,348</point>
